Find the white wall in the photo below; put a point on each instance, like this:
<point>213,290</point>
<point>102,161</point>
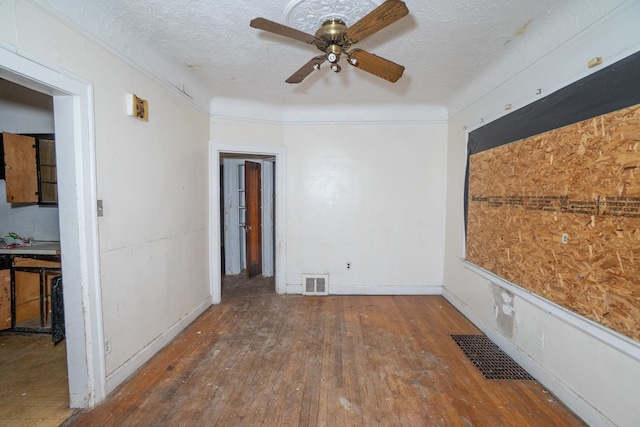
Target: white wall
<point>593,370</point>
<point>41,223</point>
<point>153,178</point>
<point>371,195</point>
<point>25,111</point>
<point>369,191</point>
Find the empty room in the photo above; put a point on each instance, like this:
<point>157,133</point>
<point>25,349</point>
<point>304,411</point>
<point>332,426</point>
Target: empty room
<point>299,212</point>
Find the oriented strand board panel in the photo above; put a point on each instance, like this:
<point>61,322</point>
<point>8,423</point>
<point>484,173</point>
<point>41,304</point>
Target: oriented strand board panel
<point>579,184</point>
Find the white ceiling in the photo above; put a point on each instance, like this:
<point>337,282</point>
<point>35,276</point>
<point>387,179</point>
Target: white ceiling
<point>208,49</point>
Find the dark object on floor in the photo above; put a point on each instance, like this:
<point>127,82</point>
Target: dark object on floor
<point>491,361</point>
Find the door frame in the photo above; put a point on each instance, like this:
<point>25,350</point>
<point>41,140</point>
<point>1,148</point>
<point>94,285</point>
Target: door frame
<point>279,152</point>
<point>75,155</point>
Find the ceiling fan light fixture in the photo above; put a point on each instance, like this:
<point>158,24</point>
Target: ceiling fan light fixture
<point>333,53</point>
<point>336,68</point>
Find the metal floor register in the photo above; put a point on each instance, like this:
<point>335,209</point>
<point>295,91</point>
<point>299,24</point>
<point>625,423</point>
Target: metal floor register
<point>491,361</point>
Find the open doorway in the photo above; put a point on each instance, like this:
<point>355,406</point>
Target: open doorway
<point>247,213</point>
<point>28,207</point>
<point>73,118</point>
<point>273,248</point>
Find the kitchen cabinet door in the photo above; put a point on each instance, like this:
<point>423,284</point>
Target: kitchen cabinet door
<point>27,297</point>
<point>48,172</point>
<point>21,168</point>
<point>5,299</point>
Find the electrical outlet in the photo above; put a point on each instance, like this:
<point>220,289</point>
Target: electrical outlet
<point>348,266</point>
<point>565,238</point>
<point>107,345</point>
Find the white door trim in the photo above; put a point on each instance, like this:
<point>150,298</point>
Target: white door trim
<point>216,148</point>
<point>75,153</point>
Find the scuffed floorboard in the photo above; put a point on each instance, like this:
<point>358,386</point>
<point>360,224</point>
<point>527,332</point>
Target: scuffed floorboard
<point>262,359</point>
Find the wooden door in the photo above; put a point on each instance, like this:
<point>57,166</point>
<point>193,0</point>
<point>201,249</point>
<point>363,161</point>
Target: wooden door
<point>20,168</point>
<point>48,171</point>
<point>253,220</point>
<point>5,299</point>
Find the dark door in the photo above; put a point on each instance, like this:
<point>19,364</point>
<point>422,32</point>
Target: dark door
<point>253,220</point>
<point>57,310</point>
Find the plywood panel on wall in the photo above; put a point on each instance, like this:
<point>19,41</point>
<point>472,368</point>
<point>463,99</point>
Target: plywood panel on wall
<point>580,182</point>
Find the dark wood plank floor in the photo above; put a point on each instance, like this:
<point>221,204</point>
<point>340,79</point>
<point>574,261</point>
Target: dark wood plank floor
<point>261,359</point>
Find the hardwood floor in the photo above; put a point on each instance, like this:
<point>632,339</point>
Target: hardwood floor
<point>261,359</point>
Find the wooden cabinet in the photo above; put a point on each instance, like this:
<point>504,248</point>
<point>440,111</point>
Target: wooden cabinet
<point>30,168</point>
<point>32,277</point>
<point>47,172</point>
<point>27,298</point>
<point>5,299</point>
<point>31,290</point>
<point>20,168</point>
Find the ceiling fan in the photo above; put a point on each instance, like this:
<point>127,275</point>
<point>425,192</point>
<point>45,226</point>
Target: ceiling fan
<point>334,38</point>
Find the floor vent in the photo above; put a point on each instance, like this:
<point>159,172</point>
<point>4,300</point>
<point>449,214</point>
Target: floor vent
<point>491,361</point>
<point>315,284</point>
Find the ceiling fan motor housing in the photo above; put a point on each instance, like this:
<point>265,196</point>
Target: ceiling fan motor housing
<point>332,30</point>
<point>332,33</point>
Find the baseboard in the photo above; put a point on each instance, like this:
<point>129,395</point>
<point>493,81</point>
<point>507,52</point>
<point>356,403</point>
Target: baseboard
<point>375,290</point>
<point>562,391</point>
<point>124,371</point>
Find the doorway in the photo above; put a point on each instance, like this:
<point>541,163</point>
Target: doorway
<point>271,156</point>
<point>247,211</point>
<point>73,116</point>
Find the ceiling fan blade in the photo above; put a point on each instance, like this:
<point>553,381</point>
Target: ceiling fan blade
<point>306,69</point>
<point>375,65</point>
<point>385,14</point>
<point>283,30</point>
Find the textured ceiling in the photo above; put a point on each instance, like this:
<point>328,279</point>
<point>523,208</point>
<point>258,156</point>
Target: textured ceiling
<point>207,48</point>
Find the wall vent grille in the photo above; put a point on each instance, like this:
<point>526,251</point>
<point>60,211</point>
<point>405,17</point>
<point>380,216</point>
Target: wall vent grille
<point>315,284</point>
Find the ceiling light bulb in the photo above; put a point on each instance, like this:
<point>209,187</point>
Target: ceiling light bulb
<point>316,66</point>
<point>336,68</point>
<point>332,57</point>
<point>353,61</point>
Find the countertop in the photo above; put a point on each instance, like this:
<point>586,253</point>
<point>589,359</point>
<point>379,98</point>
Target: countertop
<point>36,248</point>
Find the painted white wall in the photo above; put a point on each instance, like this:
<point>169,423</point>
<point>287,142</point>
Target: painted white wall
<point>41,223</point>
<point>371,195</point>
<point>23,110</point>
<point>153,178</point>
<point>369,191</point>
<point>595,372</point>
